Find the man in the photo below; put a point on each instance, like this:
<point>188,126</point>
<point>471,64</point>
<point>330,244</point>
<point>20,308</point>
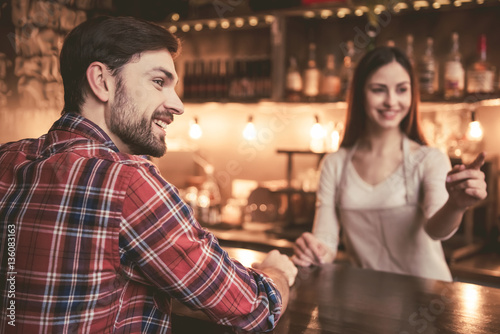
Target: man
<point>100,241</point>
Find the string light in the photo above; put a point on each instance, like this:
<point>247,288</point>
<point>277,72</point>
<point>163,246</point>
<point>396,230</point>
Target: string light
<point>224,24</point>
<point>185,27</point>
<point>175,17</point>
<point>212,24</point>
<point>253,21</point>
<point>195,131</point>
<point>269,19</point>
<point>198,26</point>
<point>326,13</point>
<point>249,133</point>
<point>239,22</point>
<point>309,14</point>
<point>172,29</point>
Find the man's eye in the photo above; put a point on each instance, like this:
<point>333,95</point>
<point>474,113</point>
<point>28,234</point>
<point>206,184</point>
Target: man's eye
<point>158,82</point>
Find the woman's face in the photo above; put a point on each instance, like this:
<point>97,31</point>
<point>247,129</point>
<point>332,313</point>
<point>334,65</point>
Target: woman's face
<point>387,96</point>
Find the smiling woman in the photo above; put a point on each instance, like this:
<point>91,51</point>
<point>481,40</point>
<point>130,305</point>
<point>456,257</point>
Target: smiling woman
<point>393,197</point>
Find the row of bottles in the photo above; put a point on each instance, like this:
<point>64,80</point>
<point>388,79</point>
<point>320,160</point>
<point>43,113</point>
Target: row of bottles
<point>238,79</point>
<point>313,84</point>
<point>455,80</point>
<point>452,81</point>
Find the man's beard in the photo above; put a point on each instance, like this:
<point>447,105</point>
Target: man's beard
<point>137,135</point>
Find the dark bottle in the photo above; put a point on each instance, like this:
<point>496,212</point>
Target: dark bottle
<point>293,83</point>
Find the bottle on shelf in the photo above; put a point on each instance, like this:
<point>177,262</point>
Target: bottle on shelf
<point>427,69</point>
<point>293,82</point>
<point>481,74</point>
<point>347,70</point>
<point>311,76</point>
<point>330,83</point>
<point>409,49</point>
<point>454,74</point>
<point>186,82</point>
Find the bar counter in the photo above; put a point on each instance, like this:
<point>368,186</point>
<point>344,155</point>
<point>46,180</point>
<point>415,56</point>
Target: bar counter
<point>339,298</point>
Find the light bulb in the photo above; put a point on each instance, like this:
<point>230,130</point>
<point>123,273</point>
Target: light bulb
<point>195,130</point>
<point>317,130</point>
<point>249,133</point>
<point>474,131</point>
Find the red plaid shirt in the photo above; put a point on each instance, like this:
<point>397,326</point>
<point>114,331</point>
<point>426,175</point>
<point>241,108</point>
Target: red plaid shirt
<point>96,241</point>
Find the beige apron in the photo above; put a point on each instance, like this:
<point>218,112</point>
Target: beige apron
<point>392,239</point>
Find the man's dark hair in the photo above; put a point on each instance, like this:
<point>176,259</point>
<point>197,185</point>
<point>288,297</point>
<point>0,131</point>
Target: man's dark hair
<point>113,41</point>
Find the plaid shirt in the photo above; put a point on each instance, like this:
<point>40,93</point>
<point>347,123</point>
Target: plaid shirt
<point>96,241</point>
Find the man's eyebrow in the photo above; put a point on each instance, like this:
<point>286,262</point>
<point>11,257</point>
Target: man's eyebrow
<point>168,74</point>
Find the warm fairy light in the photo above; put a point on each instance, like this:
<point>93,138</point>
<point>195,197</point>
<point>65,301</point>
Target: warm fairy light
<point>436,5</point>
<point>309,14</point>
<point>239,22</point>
<point>185,27</point>
<point>212,24</point>
<point>175,17</point>
<point>172,29</point>
<point>457,3</point>
<point>224,24</point>
<point>326,13</point>
<point>480,2</point>
<point>198,26</point>
<point>249,133</point>
<point>342,13</point>
<point>195,131</point>
<point>358,12</point>
<point>253,21</point>
<point>269,19</point>
<point>379,9</point>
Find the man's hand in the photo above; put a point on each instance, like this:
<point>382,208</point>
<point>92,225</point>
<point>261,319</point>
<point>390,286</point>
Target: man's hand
<point>277,261</point>
<point>465,183</point>
<point>308,250</point>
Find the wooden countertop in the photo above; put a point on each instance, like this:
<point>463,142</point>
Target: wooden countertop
<point>343,299</point>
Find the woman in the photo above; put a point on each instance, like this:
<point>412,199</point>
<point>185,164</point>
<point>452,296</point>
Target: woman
<point>394,197</point>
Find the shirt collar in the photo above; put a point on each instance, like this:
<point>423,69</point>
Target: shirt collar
<point>83,127</point>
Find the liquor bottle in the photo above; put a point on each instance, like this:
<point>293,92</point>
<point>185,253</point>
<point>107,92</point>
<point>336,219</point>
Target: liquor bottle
<point>187,81</point>
<point>294,82</point>
<point>454,74</point>
<point>481,74</point>
<point>347,70</point>
<point>311,76</point>
<point>409,49</point>
<point>330,83</point>
<point>428,72</point>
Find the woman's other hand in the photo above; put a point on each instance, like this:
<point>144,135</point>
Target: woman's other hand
<point>308,250</point>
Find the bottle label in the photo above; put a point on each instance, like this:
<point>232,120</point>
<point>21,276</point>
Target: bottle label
<point>427,77</point>
<point>454,79</point>
<point>294,82</point>
<point>480,81</point>
<point>311,84</point>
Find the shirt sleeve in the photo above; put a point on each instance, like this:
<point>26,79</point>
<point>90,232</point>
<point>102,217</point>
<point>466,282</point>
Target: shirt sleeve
<point>326,225</point>
<point>161,239</point>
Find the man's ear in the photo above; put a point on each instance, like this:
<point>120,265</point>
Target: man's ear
<point>98,78</point>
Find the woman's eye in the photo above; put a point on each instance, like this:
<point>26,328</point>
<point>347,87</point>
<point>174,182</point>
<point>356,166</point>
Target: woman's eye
<point>158,82</point>
<point>377,90</point>
<point>403,89</point>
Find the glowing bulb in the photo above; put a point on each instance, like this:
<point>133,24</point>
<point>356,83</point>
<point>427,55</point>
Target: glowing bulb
<point>317,131</point>
<point>474,131</point>
<point>253,21</point>
<point>249,133</point>
<point>195,130</point>
<point>358,12</point>
<point>198,26</point>
<point>326,13</point>
<point>239,22</point>
<point>175,17</point>
<point>172,29</point>
<point>212,24</point>
<point>269,19</point>
<point>225,24</point>
<point>436,5</point>
<point>335,138</point>
<point>185,28</point>
<point>309,15</point>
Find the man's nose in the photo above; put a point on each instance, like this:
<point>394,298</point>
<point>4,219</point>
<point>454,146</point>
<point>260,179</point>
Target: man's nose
<point>173,103</point>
